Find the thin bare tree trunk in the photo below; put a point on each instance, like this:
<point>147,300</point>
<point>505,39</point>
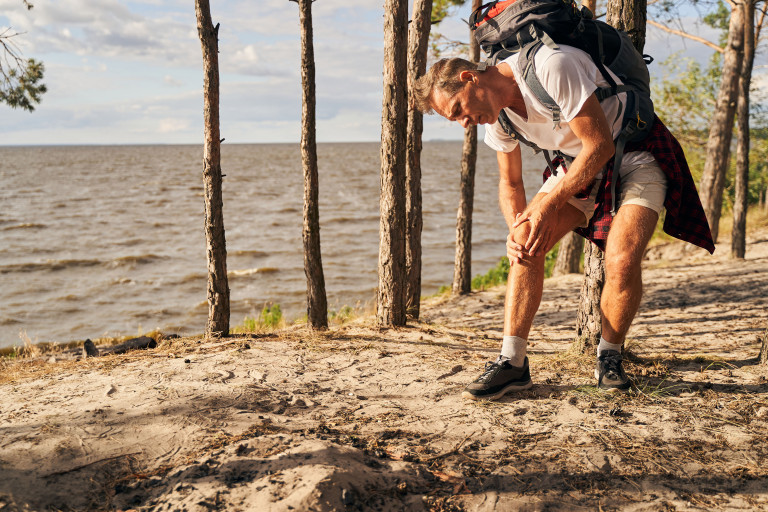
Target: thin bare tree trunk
<point>569,255</point>
<point>418,44</point>
<point>392,275</point>
<point>629,16</point>
<point>216,244</point>
<point>721,129</point>
<point>763,357</point>
<point>588,319</point>
<point>317,304</point>
<point>741,202</point>
<point>462,268</point>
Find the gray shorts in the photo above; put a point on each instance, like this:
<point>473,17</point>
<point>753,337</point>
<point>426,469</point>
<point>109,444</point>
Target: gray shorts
<point>644,184</point>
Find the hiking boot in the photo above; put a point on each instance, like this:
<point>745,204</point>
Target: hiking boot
<point>609,372</point>
<point>497,379</point>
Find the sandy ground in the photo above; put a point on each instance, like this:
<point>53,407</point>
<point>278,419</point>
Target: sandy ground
<point>363,419</point>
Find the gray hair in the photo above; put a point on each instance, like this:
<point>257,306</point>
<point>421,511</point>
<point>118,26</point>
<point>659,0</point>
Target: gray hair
<point>443,75</point>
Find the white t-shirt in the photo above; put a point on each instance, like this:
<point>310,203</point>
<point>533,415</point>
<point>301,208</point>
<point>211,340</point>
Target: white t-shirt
<point>570,77</point>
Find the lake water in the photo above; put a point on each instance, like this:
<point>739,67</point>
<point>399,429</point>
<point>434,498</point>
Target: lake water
<point>108,240</point>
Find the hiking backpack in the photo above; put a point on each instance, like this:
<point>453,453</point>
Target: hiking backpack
<point>503,28</point>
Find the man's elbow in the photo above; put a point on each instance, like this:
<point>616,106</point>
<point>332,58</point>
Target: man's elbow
<point>510,186</point>
<point>606,149</point>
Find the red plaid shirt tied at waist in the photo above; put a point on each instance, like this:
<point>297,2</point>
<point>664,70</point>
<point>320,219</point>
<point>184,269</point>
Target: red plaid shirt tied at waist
<point>685,217</point>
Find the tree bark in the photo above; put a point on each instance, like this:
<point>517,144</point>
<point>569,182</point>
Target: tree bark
<point>392,276</point>
<point>589,318</point>
<point>763,357</point>
<point>462,269</point>
<point>721,129</point>
<point>418,44</point>
<point>317,304</point>
<point>569,255</point>
<point>216,245</point>
<point>741,202</point>
<point>629,16</point>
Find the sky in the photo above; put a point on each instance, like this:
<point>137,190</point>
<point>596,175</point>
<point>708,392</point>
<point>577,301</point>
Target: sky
<point>130,72</point>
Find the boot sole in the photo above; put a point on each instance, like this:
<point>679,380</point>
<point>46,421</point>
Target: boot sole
<point>499,394</point>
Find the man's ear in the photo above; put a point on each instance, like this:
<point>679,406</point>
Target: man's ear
<point>467,76</point>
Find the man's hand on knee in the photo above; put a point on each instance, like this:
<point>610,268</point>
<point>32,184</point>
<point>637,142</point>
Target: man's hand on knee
<point>516,251</point>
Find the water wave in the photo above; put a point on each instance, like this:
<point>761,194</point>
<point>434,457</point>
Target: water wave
<point>252,271</point>
<point>58,265</point>
<point>142,259</point>
<point>26,225</point>
<point>49,265</point>
<point>250,252</point>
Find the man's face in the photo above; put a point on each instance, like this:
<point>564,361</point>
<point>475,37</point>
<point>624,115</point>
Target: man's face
<point>470,106</point>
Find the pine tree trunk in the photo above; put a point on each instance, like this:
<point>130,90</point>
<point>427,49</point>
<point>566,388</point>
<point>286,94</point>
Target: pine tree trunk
<point>317,305</point>
<point>588,319</point>
<point>392,273</point>
<point>629,16</point>
<point>462,269</point>
<point>721,129</point>
<point>216,245</point>
<point>569,255</point>
<point>741,202</point>
<point>418,44</point>
<point>763,357</point>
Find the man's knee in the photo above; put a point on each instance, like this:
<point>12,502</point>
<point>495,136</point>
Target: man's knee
<point>522,232</point>
<point>623,264</point>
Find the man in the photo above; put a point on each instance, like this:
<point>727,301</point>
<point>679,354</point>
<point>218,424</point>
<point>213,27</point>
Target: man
<point>653,175</point>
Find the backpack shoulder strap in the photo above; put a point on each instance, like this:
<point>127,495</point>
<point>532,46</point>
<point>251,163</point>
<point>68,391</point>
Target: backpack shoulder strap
<point>509,128</point>
<point>532,81</point>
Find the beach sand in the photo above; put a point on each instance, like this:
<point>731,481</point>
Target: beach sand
<point>365,419</point>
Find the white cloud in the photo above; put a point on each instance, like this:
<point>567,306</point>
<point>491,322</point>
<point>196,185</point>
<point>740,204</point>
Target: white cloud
<point>170,125</point>
<point>169,80</point>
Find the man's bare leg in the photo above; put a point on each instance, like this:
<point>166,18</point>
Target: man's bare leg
<point>526,278</point>
<point>524,288</point>
<point>631,230</point>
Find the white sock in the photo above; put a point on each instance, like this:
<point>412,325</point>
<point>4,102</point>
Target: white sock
<point>605,345</point>
<point>513,348</point>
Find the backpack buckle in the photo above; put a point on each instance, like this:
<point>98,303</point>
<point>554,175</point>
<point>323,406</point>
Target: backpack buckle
<point>640,123</point>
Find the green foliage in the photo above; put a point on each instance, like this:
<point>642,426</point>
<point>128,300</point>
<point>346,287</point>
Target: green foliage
<point>438,43</point>
<point>21,88</point>
<point>498,274</point>
<point>444,8</point>
<point>685,101</point>
<point>495,276</point>
<point>20,85</point>
<point>550,259</point>
<point>720,19</point>
<point>685,98</point>
<point>342,315</point>
<point>271,316</point>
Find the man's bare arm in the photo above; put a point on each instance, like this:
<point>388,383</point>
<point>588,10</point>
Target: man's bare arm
<point>511,196</point>
<point>591,126</point>
<point>511,189</point>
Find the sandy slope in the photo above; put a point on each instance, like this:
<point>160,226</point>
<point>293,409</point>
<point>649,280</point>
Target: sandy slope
<point>362,419</point>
